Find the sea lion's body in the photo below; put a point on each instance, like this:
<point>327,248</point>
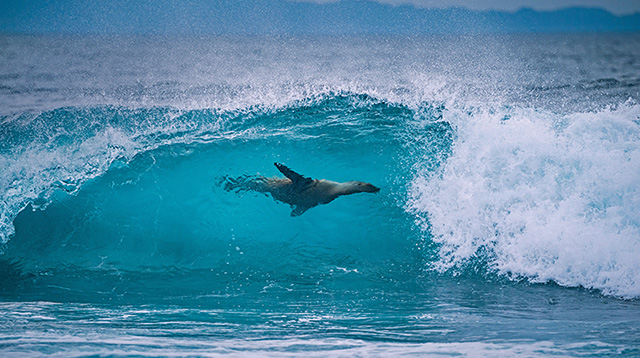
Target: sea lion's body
<point>300,192</point>
<point>303,196</point>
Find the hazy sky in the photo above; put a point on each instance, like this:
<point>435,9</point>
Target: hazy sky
<point>618,7</point>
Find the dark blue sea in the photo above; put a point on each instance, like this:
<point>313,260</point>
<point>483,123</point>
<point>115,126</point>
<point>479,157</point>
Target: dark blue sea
<point>507,224</point>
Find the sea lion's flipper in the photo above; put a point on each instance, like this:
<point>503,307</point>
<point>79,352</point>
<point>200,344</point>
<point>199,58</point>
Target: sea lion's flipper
<point>296,178</point>
<point>297,210</point>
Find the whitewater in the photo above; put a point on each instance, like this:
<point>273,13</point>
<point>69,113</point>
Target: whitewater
<point>508,221</point>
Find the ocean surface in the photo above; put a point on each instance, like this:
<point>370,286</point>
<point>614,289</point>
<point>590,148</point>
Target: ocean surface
<point>508,221</point>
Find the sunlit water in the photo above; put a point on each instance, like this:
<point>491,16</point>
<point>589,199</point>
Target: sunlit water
<point>508,223</point>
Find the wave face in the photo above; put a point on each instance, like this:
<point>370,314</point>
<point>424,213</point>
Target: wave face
<point>508,195</point>
<point>141,191</point>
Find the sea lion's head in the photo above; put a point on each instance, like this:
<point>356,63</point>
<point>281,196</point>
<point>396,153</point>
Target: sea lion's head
<point>362,187</point>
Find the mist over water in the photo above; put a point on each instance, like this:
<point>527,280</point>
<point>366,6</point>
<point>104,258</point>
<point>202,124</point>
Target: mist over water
<point>508,211</point>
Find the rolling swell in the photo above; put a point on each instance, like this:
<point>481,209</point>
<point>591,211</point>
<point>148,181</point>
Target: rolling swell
<point>105,200</point>
<point>116,203</point>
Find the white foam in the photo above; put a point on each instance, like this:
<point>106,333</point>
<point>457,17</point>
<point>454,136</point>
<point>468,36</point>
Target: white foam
<point>540,196</point>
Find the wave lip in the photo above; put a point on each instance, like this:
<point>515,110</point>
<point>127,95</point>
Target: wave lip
<point>540,196</point>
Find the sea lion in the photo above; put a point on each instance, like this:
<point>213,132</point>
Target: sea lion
<point>301,192</point>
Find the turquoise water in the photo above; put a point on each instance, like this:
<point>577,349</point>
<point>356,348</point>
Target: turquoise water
<point>507,222</point>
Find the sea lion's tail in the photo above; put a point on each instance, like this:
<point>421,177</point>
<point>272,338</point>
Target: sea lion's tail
<point>242,183</point>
